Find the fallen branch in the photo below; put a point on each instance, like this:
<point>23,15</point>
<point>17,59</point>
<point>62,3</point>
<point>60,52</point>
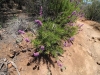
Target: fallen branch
<point>14,65</point>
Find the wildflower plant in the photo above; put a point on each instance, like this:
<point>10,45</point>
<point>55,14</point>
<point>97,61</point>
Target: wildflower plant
<point>49,38</point>
<point>51,32</point>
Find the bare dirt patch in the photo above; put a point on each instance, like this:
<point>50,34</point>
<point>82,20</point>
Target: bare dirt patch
<point>82,58</point>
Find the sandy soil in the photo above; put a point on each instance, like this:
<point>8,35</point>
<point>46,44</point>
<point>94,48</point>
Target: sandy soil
<point>82,58</point>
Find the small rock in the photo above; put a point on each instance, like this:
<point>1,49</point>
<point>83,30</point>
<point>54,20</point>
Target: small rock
<point>95,41</point>
<point>20,45</point>
<point>24,50</point>
<point>89,39</point>
<point>29,50</point>
<point>9,65</point>
<point>98,28</point>
<point>80,44</point>
<point>20,69</point>
<point>19,40</point>
<point>98,39</point>
<point>92,37</point>
<point>30,54</point>
<point>98,62</point>
<point>30,61</point>
<point>11,55</point>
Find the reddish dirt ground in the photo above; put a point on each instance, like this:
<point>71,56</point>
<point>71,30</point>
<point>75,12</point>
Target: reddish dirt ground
<point>82,58</point>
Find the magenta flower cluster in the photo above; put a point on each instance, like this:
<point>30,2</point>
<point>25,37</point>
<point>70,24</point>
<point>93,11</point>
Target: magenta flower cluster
<point>67,44</point>
<point>42,47</point>
<point>59,64</point>
<point>27,40</point>
<point>80,25</point>
<point>74,13</point>
<point>36,54</point>
<point>41,10</point>
<point>21,32</point>
<point>71,39</point>
<point>38,22</point>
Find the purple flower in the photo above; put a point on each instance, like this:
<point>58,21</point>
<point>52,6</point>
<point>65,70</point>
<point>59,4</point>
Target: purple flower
<point>38,22</point>
<point>21,32</point>
<point>42,47</point>
<point>41,9</point>
<point>81,16</point>
<point>74,12</point>
<point>36,54</point>
<point>27,40</point>
<point>71,39</point>
<point>59,64</point>
<point>67,44</point>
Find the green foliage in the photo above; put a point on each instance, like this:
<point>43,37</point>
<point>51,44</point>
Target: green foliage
<point>50,36</point>
<point>59,10</point>
<point>66,11</point>
<point>54,29</point>
<point>92,11</point>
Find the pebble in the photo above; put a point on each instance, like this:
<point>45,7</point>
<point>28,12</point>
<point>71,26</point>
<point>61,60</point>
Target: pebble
<point>92,37</point>
<point>11,55</point>
<point>30,61</point>
<point>98,62</point>
<point>9,65</point>
<point>98,39</point>
<point>24,50</point>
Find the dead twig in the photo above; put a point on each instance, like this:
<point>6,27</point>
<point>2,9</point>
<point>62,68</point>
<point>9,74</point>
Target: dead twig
<point>14,65</point>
